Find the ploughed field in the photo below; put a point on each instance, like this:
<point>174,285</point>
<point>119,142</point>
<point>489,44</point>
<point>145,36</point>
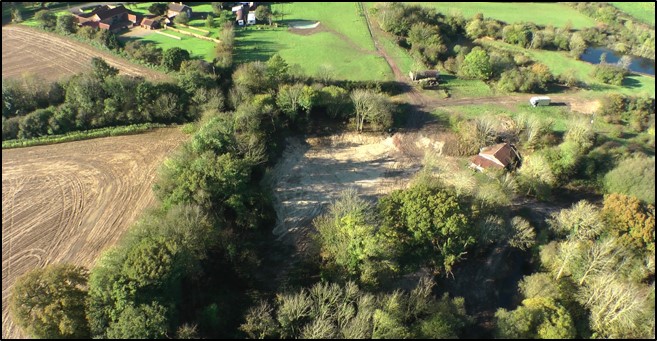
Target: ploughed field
<point>30,51</point>
<point>68,202</point>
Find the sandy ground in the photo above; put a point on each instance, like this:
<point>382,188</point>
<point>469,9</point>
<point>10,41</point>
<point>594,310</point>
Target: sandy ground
<point>312,172</point>
<point>68,202</point>
<point>30,51</point>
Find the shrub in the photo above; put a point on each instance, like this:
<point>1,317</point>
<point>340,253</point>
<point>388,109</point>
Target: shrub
<point>635,177</point>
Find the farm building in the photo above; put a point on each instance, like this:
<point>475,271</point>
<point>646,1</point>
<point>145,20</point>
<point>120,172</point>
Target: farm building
<point>499,156</point>
<point>427,77</point>
<point>251,19</point>
<point>108,18</point>
<point>150,23</point>
<point>176,8</point>
<point>239,16</point>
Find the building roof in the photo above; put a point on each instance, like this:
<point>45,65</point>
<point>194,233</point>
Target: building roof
<point>176,7</point>
<point>148,21</point>
<point>108,13</point>
<point>239,15</point>
<point>482,162</point>
<point>501,154</point>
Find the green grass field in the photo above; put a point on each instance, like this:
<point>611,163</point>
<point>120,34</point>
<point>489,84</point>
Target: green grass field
<point>196,47</point>
<point>342,42</point>
<point>539,13</point>
<point>643,11</point>
<point>311,52</point>
<point>560,62</point>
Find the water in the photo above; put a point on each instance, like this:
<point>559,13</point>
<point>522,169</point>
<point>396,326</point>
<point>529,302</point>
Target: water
<point>638,64</point>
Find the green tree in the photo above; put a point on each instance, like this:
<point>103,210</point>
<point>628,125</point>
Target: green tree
<point>101,69</point>
<point>476,65</point>
<point>634,177</point>
<point>292,99</point>
<point>46,19</point>
<point>347,238</point>
<point>49,302</point>
<point>181,18</point>
<point>173,58</point>
<point>263,13</point>
<point>426,224</point>
<point>158,8</point>
<point>539,317</point>
<point>141,322</point>
<point>66,23</point>
<point>209,21</point>
<point>631,220</point>
<point>217,7</point>
<point>277,70</point>
<point>373,107</point>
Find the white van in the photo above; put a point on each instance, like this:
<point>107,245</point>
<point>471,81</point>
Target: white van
<point>539,101</point>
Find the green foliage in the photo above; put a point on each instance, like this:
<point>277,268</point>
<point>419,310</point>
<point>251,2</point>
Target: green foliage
<point>173,57</point>
<point>426,225</point>
<point>209,21</point>
<point>630,220</point>
<point>158,8</point>
<point>476,65</point>
<point>66,23</point>
<point>49,302</point>
<point>373,107</point>
<point>292,99</point>
<point>181,18</point>
<point>332,311</point>
<point>523,235</point>
<point>46,19</point>
<point>539,317</point>
<point>347,237</point>
<point>101,69</point>
<point>581,221</point>
<point>609,74</point>
<point>634,177</point>
<point>141,322</point>
<point>144,51</point>
<point>336,101</point>
<point>263,13</point>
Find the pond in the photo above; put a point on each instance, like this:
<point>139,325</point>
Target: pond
<point>638,64</point>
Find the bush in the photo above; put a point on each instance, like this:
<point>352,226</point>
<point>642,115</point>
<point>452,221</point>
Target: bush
<point>635,177</point>
<point>609,74</point>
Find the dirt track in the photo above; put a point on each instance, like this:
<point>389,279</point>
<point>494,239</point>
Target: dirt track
<point>68,202</point>
<point>30,51</point>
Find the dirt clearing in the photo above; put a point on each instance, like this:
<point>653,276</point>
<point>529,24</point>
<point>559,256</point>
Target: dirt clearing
<point>313,172</point>
<point>68,202</point>
<point>29,51</point>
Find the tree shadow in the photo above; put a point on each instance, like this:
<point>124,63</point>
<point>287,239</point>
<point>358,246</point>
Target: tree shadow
<point>631,82</point>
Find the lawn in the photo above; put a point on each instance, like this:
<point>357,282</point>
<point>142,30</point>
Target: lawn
<point>643,11</point>
<point>196,47</point>
<point>311,52</point>
<point>539,13</point>
<point>559,115</point>
<point>560,62</point>
<point>342,41</point>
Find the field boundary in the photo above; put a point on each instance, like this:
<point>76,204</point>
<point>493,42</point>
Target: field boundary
<point>168,35</point>
<point>82,135</point>
<point>191,34</point>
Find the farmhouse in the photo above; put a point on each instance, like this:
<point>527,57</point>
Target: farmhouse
<point>499,156</point>
<point>176,8</point>
<point>108,18</point>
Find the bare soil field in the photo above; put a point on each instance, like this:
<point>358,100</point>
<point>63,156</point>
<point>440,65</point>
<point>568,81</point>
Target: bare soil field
<point>30,51</point>
<point>312,172</point>
<point>68,202</point>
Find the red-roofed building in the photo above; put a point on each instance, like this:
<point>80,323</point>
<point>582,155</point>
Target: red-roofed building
<point>108,18</point>
<point>499,156</point>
